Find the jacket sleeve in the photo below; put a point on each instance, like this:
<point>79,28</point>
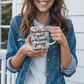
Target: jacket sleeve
<point>12,46</point>
<point>72,46</point>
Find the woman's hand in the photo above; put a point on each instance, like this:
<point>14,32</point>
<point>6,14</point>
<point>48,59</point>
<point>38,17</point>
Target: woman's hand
<point>58,35</point>
<point>28,51</point>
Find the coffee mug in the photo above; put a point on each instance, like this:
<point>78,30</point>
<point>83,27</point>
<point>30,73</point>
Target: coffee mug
<point>40,37</point>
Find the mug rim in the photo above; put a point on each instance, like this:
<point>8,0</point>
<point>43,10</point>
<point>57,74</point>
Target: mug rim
<point>39,26</point>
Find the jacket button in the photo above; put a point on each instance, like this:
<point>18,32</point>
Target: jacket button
<point>30,59</point>
<point>48,59</point>
<point>47,74</point>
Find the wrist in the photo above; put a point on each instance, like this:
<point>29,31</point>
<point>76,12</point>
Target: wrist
<point>64,44</point>
<point>22,51</point>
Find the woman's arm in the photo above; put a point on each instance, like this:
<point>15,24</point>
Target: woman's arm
<point>65,55</point>
<point>67,47</point>
<point>71,41</point>
<point>18,59</point>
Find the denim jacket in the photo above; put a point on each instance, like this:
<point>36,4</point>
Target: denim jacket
<point>54,71</point>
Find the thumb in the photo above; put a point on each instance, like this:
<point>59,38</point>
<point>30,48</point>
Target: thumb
<point>28,39</point>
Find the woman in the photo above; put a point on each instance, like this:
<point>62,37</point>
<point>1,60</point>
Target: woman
<point>46,66</point>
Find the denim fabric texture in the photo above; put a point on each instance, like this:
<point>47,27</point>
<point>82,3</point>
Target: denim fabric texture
<point>54,71</point>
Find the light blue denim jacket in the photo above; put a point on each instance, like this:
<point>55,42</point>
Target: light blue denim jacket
<point>54,71</point>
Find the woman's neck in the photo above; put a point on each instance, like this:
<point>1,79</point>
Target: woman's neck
<point>42,17</point>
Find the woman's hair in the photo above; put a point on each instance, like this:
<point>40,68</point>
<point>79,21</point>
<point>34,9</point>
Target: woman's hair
<point>58,12</point>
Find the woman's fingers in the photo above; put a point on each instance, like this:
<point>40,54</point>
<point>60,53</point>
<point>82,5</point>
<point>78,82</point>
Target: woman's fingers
<point>27,40</point>
<point>37,55</point>
<point>55,31</point>
<point>38,51</point>
<point>56,35</point>
<point>54,27</point>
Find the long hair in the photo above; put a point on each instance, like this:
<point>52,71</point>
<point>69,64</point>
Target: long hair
<point>58,12</point>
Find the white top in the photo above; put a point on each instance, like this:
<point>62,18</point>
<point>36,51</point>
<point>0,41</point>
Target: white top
<point>37,71</point>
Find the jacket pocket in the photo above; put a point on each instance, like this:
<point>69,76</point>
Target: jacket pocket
<point>56,50</point>
<point>21,41</point>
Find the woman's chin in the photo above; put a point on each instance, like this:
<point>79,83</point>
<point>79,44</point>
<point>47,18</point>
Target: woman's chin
<point>43,10</point>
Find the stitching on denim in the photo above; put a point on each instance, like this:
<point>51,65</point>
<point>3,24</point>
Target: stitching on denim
<point>58,71</point>
<point>26,71</point>
<point>47,67</point>
<point>24,75</point>
<point>58,57</point>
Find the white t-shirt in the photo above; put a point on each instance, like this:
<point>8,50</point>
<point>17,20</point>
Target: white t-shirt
<point>37,71</point>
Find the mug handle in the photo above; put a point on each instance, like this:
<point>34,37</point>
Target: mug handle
<point>52,43</point>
